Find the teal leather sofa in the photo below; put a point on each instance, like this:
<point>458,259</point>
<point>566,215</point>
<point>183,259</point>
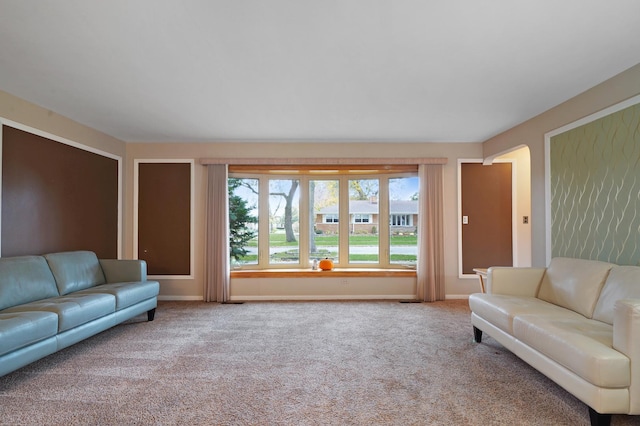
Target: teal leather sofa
<point>50,302</point>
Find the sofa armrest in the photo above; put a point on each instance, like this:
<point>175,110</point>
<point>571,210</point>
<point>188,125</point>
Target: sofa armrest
<point>514,281</point>
<point>124,270</point>
<point>626,329</point>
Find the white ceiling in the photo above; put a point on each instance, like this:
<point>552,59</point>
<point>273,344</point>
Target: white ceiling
<point>311,70</point>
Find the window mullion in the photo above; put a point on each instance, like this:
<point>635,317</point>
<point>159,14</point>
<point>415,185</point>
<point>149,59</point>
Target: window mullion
<point>263,220</point>
<point>303,222</point>
<point>343,221</point>
<point>383,221</point>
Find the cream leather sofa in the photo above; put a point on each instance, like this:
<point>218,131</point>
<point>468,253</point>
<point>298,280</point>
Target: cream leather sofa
<point>577,322</point>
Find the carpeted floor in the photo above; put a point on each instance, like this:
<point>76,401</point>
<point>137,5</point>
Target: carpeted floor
<point>291,363</point>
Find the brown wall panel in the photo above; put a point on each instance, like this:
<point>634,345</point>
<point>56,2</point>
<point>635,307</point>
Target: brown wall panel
<point>487,239</point>
<point>56,197</point>
<point>164,217</point>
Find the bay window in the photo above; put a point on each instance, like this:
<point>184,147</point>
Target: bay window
<point>357,218</point>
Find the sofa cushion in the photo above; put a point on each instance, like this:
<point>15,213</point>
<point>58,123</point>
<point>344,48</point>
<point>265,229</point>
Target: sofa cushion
<point>24,279</point>
<point>623,282</point>
<point>579,344</point>
<point>21,329</point>
<point>73,309</point>
<point>574,283</point>
<point>75,270</point>
<point>127,293</point>
<point>500,310</point>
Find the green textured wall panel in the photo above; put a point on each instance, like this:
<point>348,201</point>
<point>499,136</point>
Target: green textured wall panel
<point>595,189</point>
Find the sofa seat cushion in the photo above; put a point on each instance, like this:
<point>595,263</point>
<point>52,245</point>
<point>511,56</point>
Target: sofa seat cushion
<point>20,329</point>
<point>127,293</point>
<point>74,309</point>
<point>582,345</point>
<point>500,310</point>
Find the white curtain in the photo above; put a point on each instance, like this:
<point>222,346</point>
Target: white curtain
<point>217,268</point>
<point>430,268</point>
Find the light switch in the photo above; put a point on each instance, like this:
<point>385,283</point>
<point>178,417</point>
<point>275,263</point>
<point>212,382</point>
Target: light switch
<point>465,220</point>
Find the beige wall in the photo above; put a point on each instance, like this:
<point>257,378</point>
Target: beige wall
<point>531,133</point>
<point>28,114</point>
<point>522,205</point>
<point>455,287</point>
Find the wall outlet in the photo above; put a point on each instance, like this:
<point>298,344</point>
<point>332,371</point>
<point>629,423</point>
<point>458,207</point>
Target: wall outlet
<point>525,219</point>
<point>465,220</point>
<point>344,281</point>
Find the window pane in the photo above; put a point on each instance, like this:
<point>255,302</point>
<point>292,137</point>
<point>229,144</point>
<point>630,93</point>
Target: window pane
<point>243,221</point>
<point>324,219</point>
<point>363,221</point>
<point>284,207</point>
<point>403,220</point>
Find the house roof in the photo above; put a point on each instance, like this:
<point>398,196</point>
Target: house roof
<point>367,207</point>
<point>321,71</point>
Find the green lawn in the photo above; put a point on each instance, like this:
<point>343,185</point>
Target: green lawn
<point>278,240</point>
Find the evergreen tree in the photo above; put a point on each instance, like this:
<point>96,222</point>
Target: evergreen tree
<point>239,218</point>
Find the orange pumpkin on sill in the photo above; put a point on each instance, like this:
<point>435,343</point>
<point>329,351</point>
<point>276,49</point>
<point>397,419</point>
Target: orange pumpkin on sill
<point>326,264</point>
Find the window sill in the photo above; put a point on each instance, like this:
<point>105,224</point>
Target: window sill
<point>309,273</point>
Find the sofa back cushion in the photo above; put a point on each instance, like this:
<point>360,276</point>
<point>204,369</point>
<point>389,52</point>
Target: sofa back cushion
<point>574,283</point>
<point>75,270</point>
<point>623,282</point>
<point>25,279</point>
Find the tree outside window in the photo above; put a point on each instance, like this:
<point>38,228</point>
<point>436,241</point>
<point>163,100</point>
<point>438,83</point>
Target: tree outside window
<point>243,220</point>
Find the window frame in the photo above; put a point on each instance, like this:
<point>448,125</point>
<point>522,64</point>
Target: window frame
<point>343,176</point>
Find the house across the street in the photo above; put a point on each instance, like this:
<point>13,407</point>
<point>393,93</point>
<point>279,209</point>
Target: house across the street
<point>364,217</point>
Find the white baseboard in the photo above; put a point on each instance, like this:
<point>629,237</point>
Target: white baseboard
<point>456,296</point>
<point>180,298</point>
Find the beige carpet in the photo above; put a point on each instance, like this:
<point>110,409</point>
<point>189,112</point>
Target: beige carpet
<point>295,363</point>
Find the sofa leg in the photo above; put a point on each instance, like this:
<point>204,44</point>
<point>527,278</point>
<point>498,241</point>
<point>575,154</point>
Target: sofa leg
<point>151,314</point>
<point>598,419</point>
<point>477,334</point>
